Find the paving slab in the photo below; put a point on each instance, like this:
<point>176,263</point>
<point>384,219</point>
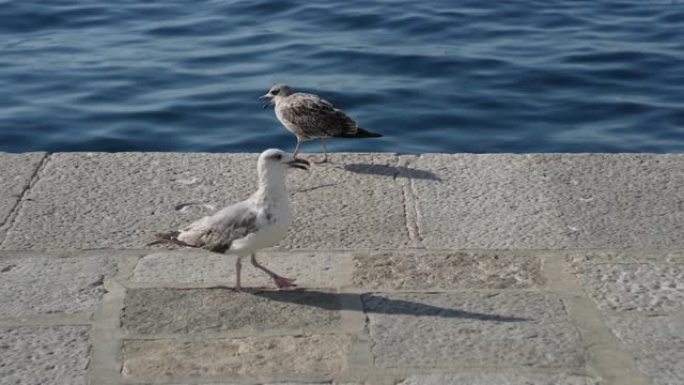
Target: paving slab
<point>551,201</point>
<point>352,203</point>
<point>655,287</point>
<point>320,269</point>
<point>485,202</point>
<point>119,200</point>
<point>444,270</point>
<point>277,383</point>
<point>645,331</point>
<point>172,311</point>
<point>617,200</point>
<point>77,205</point>
<point>272,383</point>
<point>665,367</point>
<point>54,355</point>
<point>498,379</point>
<point>656,342</point>
<point>472,329</point>
<point>16,171</point>
<point>298,383</point>
<point>624,256</point>
<point>320,355</point>
<point>48,284</point>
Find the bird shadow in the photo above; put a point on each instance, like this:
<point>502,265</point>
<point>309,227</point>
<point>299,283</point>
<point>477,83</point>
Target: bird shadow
<point>393,171</point>
<point>372,303</point>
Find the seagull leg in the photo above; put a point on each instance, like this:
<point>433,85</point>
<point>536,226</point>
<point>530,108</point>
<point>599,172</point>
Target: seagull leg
<point>296,151</point>
<point>238,268</point>
<point>325,152</point>
<point>281,282</point>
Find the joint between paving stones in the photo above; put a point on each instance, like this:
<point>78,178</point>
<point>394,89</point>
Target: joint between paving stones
<point>8,223</point>
<point>408,199</point>
<point>57,319</point>
<point>606,355</point>
<point>413,194</point>
<point>106,336</point>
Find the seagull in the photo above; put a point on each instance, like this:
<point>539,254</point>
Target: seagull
<point>245,227</point>
<point>309,116</point>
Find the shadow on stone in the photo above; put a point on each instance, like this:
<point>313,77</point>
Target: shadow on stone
<point>376,304</point>
<point>393,171</point>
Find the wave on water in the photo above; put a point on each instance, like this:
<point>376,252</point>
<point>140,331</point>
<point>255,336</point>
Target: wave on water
<point>435,76</point>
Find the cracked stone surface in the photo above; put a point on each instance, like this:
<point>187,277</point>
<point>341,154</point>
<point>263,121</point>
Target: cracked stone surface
<point>43,285</point>
<point>322,355</point>
<point>16,171</point>
<point>311,270</point>
<point>144,193</point>
<point>635,286</point>
<point>493,329</point>
<point>140,194</point>
<point>51,355</point>
<point>159,311</point>
<point>446,270</point>
<point>498,379</point>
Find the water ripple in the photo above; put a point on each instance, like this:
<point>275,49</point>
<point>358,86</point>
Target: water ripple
<point>436,76</point>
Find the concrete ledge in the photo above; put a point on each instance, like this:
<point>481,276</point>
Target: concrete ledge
<point>96,200</point>
<point>544,201</point>
<point>454,269</point>
<point>369,201</point>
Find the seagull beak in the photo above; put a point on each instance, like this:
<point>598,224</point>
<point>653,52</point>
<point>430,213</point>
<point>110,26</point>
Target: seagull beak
<point>302,164</point>
<point>266,97</point>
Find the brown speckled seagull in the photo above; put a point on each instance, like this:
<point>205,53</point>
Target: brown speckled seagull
<point>309,116</point>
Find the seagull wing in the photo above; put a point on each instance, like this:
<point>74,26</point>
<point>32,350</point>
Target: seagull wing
<point>218,232</point>
<point>315,116</point>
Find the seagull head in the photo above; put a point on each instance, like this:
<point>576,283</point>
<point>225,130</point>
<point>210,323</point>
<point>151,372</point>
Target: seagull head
<point>275,93</point>
<point>274,162</point>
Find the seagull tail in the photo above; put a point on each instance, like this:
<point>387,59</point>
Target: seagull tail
<point>360,133</point>
<point>171,237</point>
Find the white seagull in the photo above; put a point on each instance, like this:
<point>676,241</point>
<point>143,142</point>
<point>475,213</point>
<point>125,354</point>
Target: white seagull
<point>309,116</point>
<point>245,227</point>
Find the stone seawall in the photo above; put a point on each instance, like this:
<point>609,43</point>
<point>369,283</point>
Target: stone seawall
<point>430,269</point>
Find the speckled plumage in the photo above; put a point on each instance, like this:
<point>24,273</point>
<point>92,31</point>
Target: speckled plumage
<point>309,116</point>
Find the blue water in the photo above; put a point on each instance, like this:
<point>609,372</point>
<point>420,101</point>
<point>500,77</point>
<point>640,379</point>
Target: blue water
<point>432,76</point>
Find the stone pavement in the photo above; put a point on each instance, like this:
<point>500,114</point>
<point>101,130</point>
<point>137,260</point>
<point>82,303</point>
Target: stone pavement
<point>432,269</point>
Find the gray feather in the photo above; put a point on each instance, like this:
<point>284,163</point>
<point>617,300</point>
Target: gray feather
<point>218,232</point>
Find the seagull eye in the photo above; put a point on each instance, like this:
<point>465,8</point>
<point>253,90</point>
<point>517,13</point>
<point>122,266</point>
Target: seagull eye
<point>275,92</point>
<point>277,157</point>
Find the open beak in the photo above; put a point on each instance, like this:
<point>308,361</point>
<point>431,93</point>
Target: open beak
<point>265,97</point>
<point>302,164</point>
